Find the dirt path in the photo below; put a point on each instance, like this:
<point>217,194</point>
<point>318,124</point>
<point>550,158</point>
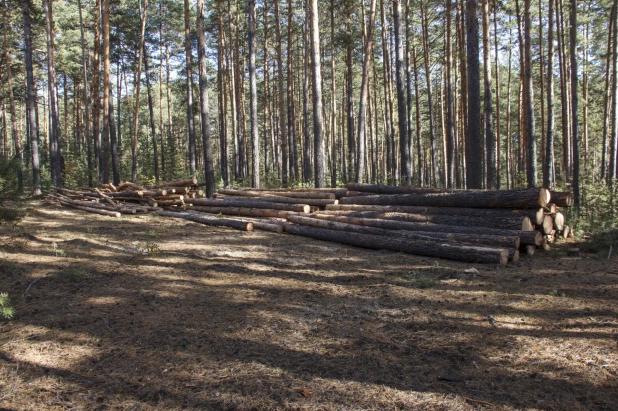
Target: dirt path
<point>147,313</point>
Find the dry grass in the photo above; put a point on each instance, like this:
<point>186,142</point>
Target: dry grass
<point>219,319</point>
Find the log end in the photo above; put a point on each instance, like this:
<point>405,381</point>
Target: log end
<point>514,255</point>
<point>526,224</point>
<point>306,209</point>
<point>544,197</point>
<point>548,224</point>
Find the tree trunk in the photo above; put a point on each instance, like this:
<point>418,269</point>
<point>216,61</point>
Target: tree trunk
<point>450,109</point>
<point>249,203</point>
<point>222,96</point>
<point>134,165</point>
<point>432,132</point>
<point>255,139</point>
<point>318,121</point>
<point>402,110</point>
<point>333,108</point>
<point>531,170</point>
<point>293,146</point>
<point>548,170</point>
<point>474,152</point>
<point>490,137</point>
<point>282,112</point>
<point>152,124</point>
<point>362,106</point>
<point>188,67</point>
<point>574,101</point>
<point>32,116</point>
<point>306,129</point>
<point>96,96</point>
<point>209,220</point>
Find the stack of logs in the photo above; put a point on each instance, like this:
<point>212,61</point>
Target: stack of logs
<point>464,225</point>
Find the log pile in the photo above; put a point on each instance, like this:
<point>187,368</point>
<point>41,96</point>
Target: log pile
<point>464,225</point>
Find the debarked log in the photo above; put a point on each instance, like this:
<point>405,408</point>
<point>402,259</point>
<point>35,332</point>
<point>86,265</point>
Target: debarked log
<point>458,252</point>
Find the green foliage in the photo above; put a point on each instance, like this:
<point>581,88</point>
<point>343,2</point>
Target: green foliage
<point>424,282</point>
<point>71,274</point>
<point>597,211</point>
<point>8,187</point>
<point>602,242</point>
<point>6,310</point>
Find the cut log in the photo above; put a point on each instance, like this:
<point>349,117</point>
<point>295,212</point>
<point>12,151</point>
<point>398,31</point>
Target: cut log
<point>106,198</point>
<point>559,221</point>
<point>384,189</point>
<point>526,237</point>
<point>169,197</point>
<point>178,183</point>
<point>249,203</point>
<point>513,255</point>
<point>167,203</point>
<point>548,225</point>
<point>507,223</point>
<point>290,194</point>
<point>257,224</point>
<point>129,186</point>
<point>247,212</point>
<point>209,220</point>
<point>536,216</point>
<point>530,198</point>
<point>152,203</point>
<point>97,211</point>
<point>566,231</point>
<point>109,186</point>
<point>562,199</point>
<point>496,241</point>
<point>454,251</point>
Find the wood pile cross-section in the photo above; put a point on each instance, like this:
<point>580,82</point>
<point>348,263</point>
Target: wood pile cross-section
<point>477,226</point>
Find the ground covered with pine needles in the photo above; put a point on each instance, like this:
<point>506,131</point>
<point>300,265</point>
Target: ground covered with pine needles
<point>149,313</point>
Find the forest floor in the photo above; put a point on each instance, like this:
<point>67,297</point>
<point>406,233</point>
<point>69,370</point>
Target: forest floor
<point>152,313</point>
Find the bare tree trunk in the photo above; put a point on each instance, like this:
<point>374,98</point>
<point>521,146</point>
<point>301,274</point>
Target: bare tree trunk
<point>106,91</point>
<point>611,178</point>
<point>96,86</point>
<point>170,123</point>
<point>143,10</point>
<point>188,67</point>
<point>404,147</point>
<point>32,116</point>
<point>432,132</point>
<point>529,100</point>
<point>450,134</point>
<point>608,93</point>
<point>282,117</point>
<point>333,108</point>
<point>318,120</point>
<point>293,146</point>
<point>306,130</point>
<point>54,140</point>
<point>474,152</point>
<point>419,145</point>
<point>490,138</point>
<point>548,171</point>
<point>574,101</point>
<point>266,108</point>
<point>152,124</point>
<point>255,139</point>
<point>498,136</point>
<point>362,106</point>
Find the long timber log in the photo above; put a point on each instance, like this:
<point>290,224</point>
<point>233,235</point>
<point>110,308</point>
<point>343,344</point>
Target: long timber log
<point>530,198</point>
<point>507,223</point>
<point>284,200</point>
<point>209,220</point>
<point>290,194</point>
<point>246,212</point>
<point>384,189</point>
<point>466,253</point>
<point>535,215</point>
<point>178,183</point>
<point>268,225</point>
<point>248,203</point>
<point>512,241</point>
<point>526,237</point>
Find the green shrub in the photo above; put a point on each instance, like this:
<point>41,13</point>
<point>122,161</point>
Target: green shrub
<point>6,311</point>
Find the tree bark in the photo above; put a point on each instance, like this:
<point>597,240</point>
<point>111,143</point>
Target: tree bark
<point>318,120</point>
<point>255,139</point>
<point>209,220</point>
<point>531,170</point>
<point>548,170</point>
<point>282,111</point>
<point>574,102</point>
<point>493,240</point>
<point>249,203</point>
<point>32,115</point>
<point>530,198</point>
<point>362,106</point>
<point>152,124</point>
<point>188,67</point>
<point>474,167</point>
<point>490,137</point>
<point>453,251</point>
<point>134,160</point>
